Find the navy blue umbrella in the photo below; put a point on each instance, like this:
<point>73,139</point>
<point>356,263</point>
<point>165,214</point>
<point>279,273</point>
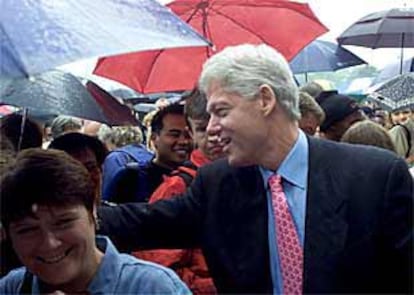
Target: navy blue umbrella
<point>36,36</point>
<point>322,56</point>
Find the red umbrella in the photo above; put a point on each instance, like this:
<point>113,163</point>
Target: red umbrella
<point>117,114</point>
<point>286,26</point>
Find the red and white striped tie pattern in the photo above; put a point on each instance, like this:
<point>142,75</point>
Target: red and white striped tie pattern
<point>290,250</point>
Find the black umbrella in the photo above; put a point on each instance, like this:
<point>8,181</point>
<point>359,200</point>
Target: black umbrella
<point>397,93</point>
<point>385,29</point>
<point>53,92</point>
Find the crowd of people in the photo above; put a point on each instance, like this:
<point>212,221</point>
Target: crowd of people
<point>248,184</point>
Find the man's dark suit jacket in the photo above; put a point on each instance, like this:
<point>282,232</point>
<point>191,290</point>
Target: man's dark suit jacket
<point>358,228</point>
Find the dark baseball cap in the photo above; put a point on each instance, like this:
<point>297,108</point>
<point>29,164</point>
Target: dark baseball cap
<point>336,107</point>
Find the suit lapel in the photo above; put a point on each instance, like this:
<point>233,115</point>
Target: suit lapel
<point>325,225</point>
<point>248,229</point>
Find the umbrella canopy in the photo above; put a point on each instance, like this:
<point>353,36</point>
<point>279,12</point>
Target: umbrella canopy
<point>36,36</point>
<point>385,29</point>
<point>284,25</point>
<point>390,28</point>
<point>55,92</point>
<point>393,70</point>
<point>321,56</point>
<point>397,93</point>
<point>116,113</point>
<point>124,93</point>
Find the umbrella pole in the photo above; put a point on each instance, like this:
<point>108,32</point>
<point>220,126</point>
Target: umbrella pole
<point>402,53</point>
<point>24,117</point>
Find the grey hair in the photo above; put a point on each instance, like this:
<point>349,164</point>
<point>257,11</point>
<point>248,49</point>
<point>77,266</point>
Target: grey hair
<point>120,135</point>
<point>62,124</point>
<point>244,68</point>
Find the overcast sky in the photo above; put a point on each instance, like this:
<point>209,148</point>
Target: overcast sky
<point>337,15</point>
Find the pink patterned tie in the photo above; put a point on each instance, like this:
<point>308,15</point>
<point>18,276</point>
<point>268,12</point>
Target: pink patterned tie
<point>290,251</point>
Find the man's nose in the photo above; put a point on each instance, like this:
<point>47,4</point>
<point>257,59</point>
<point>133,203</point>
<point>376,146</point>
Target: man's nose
<point>213,127</point>
<point>185,138</point>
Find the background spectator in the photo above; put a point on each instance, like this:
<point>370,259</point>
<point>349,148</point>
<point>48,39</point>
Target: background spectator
<point>64,124</point>
<point>311,113</point>
<point>341,112</point>
<point>29,136</point>
<point>369,133</point>
<point>88,150</point>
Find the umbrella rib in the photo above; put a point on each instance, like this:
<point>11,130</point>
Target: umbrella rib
<point>239,24</point>
<point>379,29</point>
<point>197,8</point>
<point>152,66</point>
<point>208,33</point>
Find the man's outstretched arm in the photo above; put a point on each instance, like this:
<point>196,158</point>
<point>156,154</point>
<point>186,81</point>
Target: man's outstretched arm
<point>173,223</point>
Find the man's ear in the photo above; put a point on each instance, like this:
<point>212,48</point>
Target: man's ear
<point>190,131</point>
<point>267,99</point>
<point>153,138</point>
<point>190,126</point>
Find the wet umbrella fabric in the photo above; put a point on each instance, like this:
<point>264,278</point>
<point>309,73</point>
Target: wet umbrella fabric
<point>321,56</point>
<point>397,93</point>
<point>392,28</point>
<point>36,36</point>
<point>53,92</point>
<point>384,29</point>
<point>116,113</point>
<point>284,25</point>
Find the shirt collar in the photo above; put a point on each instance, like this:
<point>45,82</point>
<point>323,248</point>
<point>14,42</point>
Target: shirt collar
<point>294,167</point>
<point>103,281</point>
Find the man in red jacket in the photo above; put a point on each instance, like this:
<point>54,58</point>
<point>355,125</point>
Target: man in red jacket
<point>189,264</point>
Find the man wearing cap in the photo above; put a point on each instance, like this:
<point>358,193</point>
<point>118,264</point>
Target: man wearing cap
<point>341,112</point>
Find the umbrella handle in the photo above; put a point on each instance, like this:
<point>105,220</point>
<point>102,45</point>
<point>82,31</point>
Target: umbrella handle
<point>402,52</point>
<point>24,117</point>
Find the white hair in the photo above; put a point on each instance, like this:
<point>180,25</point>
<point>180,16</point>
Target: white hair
<point>244,68</point>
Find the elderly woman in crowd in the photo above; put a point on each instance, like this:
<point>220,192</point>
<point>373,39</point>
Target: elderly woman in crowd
<point>119,136</point>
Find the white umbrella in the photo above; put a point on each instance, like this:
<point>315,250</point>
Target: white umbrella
<point>394,94</point>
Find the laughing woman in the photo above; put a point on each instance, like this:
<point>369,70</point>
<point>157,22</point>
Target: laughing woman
<point>47,205</point>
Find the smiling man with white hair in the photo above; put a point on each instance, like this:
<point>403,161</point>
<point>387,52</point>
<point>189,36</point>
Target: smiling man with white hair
<point>283,213</point>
